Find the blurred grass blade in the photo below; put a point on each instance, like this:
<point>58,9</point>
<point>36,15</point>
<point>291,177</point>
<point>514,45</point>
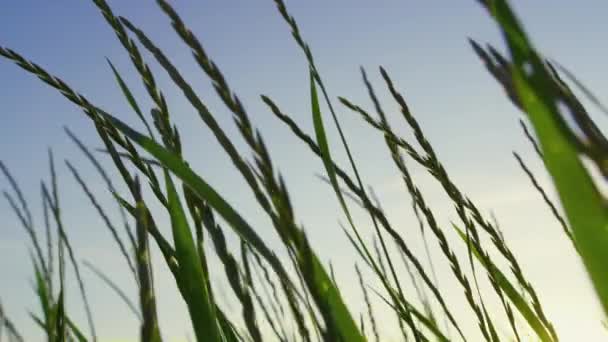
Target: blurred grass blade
<point>58,314</point>
<point>74,329</point>
<point>583,204</point>
<point>42,293</point>
<point>230,333</point>
<point>7,325</point>
<point>586,91</point>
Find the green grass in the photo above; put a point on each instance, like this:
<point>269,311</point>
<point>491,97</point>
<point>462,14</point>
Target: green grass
<point>297,297</point>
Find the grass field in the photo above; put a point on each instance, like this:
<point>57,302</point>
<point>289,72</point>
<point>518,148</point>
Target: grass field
<point>285,291</point>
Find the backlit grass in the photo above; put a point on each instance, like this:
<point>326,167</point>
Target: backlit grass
<point>296,297</point>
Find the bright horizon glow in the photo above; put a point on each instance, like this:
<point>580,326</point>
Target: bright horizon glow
<point>464,112</point>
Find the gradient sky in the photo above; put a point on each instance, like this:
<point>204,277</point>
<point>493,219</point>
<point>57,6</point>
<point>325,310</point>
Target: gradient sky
<point>421,43</point>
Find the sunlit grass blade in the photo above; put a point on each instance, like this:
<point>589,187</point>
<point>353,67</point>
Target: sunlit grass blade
<point>512,293</point>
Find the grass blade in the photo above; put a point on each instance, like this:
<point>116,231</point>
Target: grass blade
<point>149,330</point>
<point>348,324</point>
<point>200,304</point>
<point>508,288</point>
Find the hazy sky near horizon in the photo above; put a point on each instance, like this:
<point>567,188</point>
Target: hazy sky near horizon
<point>423,45</point>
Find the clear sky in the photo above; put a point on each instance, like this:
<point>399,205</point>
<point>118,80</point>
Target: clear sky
<point>422,44</point>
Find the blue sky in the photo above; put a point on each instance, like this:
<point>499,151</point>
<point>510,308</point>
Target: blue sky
<point>424,47</point>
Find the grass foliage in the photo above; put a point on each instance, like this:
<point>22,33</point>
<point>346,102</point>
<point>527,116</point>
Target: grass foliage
<point>296,298</point>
